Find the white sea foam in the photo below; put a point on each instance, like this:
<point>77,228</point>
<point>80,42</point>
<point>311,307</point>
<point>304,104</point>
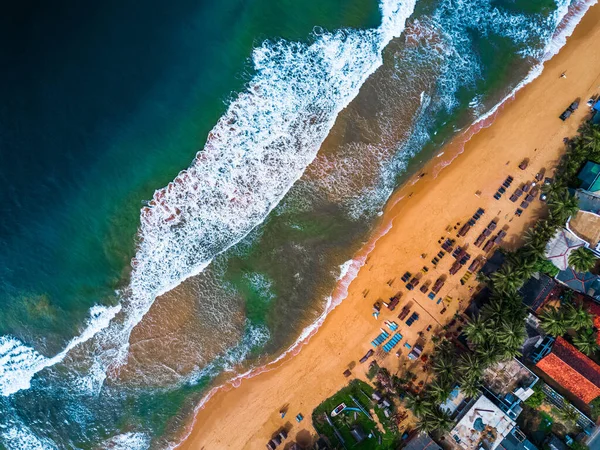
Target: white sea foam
<point>127,441</point>
<point>19,437</point>
<point>254,154</point>
<point>19,363</point>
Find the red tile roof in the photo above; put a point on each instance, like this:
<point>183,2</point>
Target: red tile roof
<point>572,370</point>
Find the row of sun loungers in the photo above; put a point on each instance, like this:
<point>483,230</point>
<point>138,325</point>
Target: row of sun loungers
<point>472,221</point>
<point>391,325</point>
<point>502,189</point>
<point>277,440</point>
<point>379,339</point>
<point>392,342</point>
<point>393,302</point>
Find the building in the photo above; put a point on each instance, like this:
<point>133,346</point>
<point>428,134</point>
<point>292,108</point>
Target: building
<point>572,370</point>
<point>586,223</point>
<point>585,283</point>
<point>421,441</point>
<point>590,177</point>
<point>516,440</point>
<point>509,383</point>
<point>537,290</point>
<point>455,403</point>
<point>560,247</point>
<point>554,443</point>
<point>483,425</point>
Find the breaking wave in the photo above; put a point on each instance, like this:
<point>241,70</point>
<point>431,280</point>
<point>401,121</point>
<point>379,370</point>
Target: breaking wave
<point>254,154</point>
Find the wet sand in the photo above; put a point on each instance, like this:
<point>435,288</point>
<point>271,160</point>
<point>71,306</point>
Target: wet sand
<point>419,214</point>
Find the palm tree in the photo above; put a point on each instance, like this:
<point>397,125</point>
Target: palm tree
<point>470,366</point>
<point>512,334</point>
<point>492,311</point>
<point>507,279</point>
<point>426,423</point>
<point>488,353</point>
<point>587,342</point>
<point>554,322</point>
<point>582,259</point>
<point>439,390</point>
<point>441,419</point>
<point>579,318</point>
<point>443,366</point>
<point>563,206</point>
<point>476,330</point>
<point>591,139</point>
<point>569,414</point>
<point>417,404</point>
<point>470,388</point>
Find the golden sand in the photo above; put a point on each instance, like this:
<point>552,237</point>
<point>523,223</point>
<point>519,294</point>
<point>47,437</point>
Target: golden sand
<point>245,417</point>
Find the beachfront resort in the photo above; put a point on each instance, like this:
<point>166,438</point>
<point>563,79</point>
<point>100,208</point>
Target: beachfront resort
<point>491,343</point>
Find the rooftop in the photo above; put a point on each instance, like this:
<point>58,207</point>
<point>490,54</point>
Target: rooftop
<point>586,283</point>
<point>536,290</point>
<point>590,176</point>
<point>484,423</point>
<point>509,377</point>
<point>586,225</point>
<point>588,201</point>
<point>453,401</point>
<point>572,370</point>
<point>516,440</point>
<point>560,246</point>
<point>422,441</point>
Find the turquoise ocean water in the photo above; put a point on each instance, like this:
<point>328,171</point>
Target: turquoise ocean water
<point>123,302</point>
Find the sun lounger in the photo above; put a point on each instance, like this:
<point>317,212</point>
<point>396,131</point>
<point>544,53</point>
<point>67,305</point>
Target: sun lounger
<point>367,356</point>
<point>392,342</point>
<point>431,295</point>
<point>524,205</point>
<point>514,198</point>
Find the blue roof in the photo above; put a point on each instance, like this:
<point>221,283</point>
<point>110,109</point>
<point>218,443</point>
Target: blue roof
<point>580,282</point>
<point>596,106</point>
<point>590,176</point>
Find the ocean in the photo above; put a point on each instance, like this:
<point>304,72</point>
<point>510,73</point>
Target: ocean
<point>185,183</point>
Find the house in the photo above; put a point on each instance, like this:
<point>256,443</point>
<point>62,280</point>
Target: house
<point>585,283</point>
<point>560,246</point>
<point>509,383</point>
<point>516,440</point>
<point>483,425</point>
<point>585,224</point>
<point>554,443</point>
<point>572,370</point>
<point>421,441</point>
<point>590,176</point>
<point>536,290</point>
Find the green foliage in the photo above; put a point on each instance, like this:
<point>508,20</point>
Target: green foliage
<point>595,408</point>
<point>576,445</point>
<point>586,341</point>
<point>569,414</point>
<point>554,321</point>
<point>545,266</point>
<point>537,398</point>
<point>582,259</point>
<point>373,370</point>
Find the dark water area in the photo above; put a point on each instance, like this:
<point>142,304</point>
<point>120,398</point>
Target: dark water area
<point>104,103</point>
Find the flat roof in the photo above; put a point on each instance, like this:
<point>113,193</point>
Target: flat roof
<point>590,176</point>
<point>506,377</point>
<point>484,423</point>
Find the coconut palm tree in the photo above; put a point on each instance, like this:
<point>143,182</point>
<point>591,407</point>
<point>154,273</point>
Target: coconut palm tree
<point>554,322</point>
<point>586,341</point>
<point>512,334</point>
<point>569,414</point>
<point>441,419</point>
<point>470,388</point>
<point>492,311</point>
<point>562,206</point>
<point>470,366</point>
<point>579,318</point>
<point>418,404</point>
<point>426,423</point>
<point>591,139</point>
<point>488,353</point>
<point>444,367</point>
<point>439,390</point>
<point>507,279</point>
<point>582,259</point>
<point>476,330</point>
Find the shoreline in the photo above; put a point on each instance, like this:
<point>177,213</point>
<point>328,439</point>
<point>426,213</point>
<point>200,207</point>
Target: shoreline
<point>402,201</point>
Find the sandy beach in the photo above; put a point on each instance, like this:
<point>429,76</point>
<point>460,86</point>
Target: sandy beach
<point>422,212</point>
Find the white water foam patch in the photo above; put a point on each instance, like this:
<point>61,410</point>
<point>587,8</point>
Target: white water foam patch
<point>127,441</point>
<point>19,363</point>
<point>20,437</point>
